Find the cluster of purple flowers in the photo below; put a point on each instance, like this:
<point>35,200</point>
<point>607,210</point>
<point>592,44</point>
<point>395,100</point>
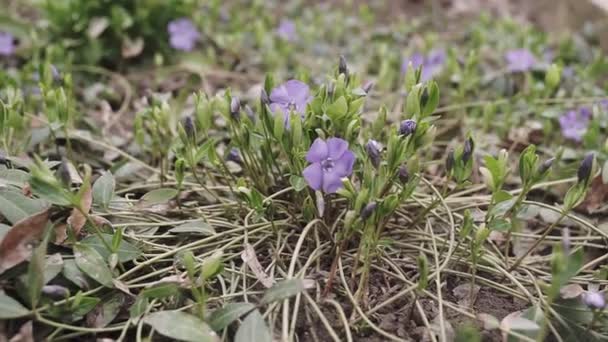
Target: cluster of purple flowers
<point>183,34</point>
<point>7,44</point>
<point>431,63</point>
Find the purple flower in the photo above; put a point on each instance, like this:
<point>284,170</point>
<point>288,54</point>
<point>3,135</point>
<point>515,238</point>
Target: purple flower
<point>431,64</point>
<point>183,35</point>
<point>574,123</point>
<point>594,300</point>
<point>520,60</point>
<point>234,156</point>
<point>330,160</point>
<point>7,44</point>
<point>291,95</point>
<point>287,30</point>
<point>407,127</point>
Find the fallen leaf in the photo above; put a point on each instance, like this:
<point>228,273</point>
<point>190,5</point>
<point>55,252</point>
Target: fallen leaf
<point>77,219</point>
<point>571,291</point>
<point>596,196</point>
<point>515,321</point>
<point>16,246</point>
<point>463,293</point>
<point>489,322</point>
<point>132,48</point>
<point>250,258</point>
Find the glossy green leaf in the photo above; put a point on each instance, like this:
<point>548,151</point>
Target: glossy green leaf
<point>194,227</point>
<point>224,316</point>
<point>126,251</point>
<point>181,326</point>
<point>103,189</point>
<point>15,207</point>
<point>284,290</point>
<point>10,308</point>
<point>158,196</point>
<point>253,329</point>
<point>93,264</point>
<point>72,273</point>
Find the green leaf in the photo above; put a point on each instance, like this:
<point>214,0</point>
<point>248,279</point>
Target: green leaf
<point>106,311</point>
<point>284,289</point>
<point>337,109</point>
<point>10,308</point>
<point>14,177</point>
<point>103,189</point>
<point>85,305</point>
<point>161,291</point>
<point>35,273</point>
<point>181,326</point>
<point>72,273</point>
<point>279,126</point>
<point>499,224</point>
<point>93,264</point>
<point>223,317</point>
<point>195,227</point>
<point>159,196</point>
<point>297,182</point>
<point>433,100</point>
<point>126,251</point>
<point>212,265</point>
<point>253,329</point>
<point>14,206</point>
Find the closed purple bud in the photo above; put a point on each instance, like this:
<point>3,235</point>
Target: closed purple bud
<point>407,127</point>
<point>584,171</point>
<point>55,291</point>
<point>545,166</point>
<point>467,150</point>
<point>234,156</point>
<point>342,67</point>
<point>373,149</point>
<point>63,173</point>
<point>188,124</point>
<point>367,87</point>
<point>594,300</point>
<point>404,174</point>
<point>368,210</point>
<point>235,108</point>
<point>449,161</point>
<point>264,99</point>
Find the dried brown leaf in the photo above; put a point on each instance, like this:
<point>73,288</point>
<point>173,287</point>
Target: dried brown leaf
<point>16,246</point>
<point>77,219</point>
<point>251,259</point>
<point>596,196</point>
<point>571,291</point>
<point>132,48</point>
<point>25,334</point>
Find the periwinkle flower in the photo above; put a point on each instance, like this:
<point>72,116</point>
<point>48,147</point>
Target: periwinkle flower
<point>367,87</point>
<point>189,128</point>
<point>235,108</point>
<point>234,156</point>
<point>574,123</point>
<point>584,171</point>
<point>467,150</point>
<point>520,60</point>
<point>431,63</point>
<point>545,166</point>
<point>331,161</point>
<point>342,66</point>
<point>368,210</point>
<point>7,44</point>
<point>373,149</point>
<point>287,30</point>
<point>407,127</point>
<point>291,95</point>
<point>183,35</point>
<point>594,300</point>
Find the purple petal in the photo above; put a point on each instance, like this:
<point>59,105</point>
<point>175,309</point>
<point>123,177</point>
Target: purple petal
<point>417,60</point>
<point>279,95</point>
<point>317,152</point>
<point>332,181</point>
<point>336,147</point>
<point>520,60</point>
<point>298,91</point>
<point>7,44</point>
<point>287,30</point>
<point>313,175</point>
<point>344,165</point>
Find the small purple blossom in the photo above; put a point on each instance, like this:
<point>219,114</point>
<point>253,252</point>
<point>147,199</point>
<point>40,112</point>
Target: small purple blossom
<point>183,35</point>
<point>574,123</point>
<point>330,160</point>
<point>594,300</point>
<point>291,95</point>
<point>407,127</point>
<point>520,60</point>
<point>234,156</point>
<point>431,64</point>
<point>7,44</point>
<point>287,30</point>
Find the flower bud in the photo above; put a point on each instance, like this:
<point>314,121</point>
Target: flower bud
<point>234,156</point>
<point>404,174</point>
<point>250,113</point>
<point>55,291</point>
<point>189,128</point>
<point>264,99</point>
<point>373,149</point>
<point>368,210</point>
<point>467,150</point>
<point>342,67</point>
<point>449,161</point>
<point>63,173</point>
<point>594,300</point>
<point>545,166</point>
<point>584,171</point>
<point>407,127</point>
<point>235,108</point>
<point>367,87</point>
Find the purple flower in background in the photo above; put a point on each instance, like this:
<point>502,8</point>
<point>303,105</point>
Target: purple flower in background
<point>574,123</point>
<point>431,64</point>
<point>291,95</point>
<point>520,60</point>
<point>287,30</point>
<point>330,160</point>
<point>183,35</point>
<point>7,44</point>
